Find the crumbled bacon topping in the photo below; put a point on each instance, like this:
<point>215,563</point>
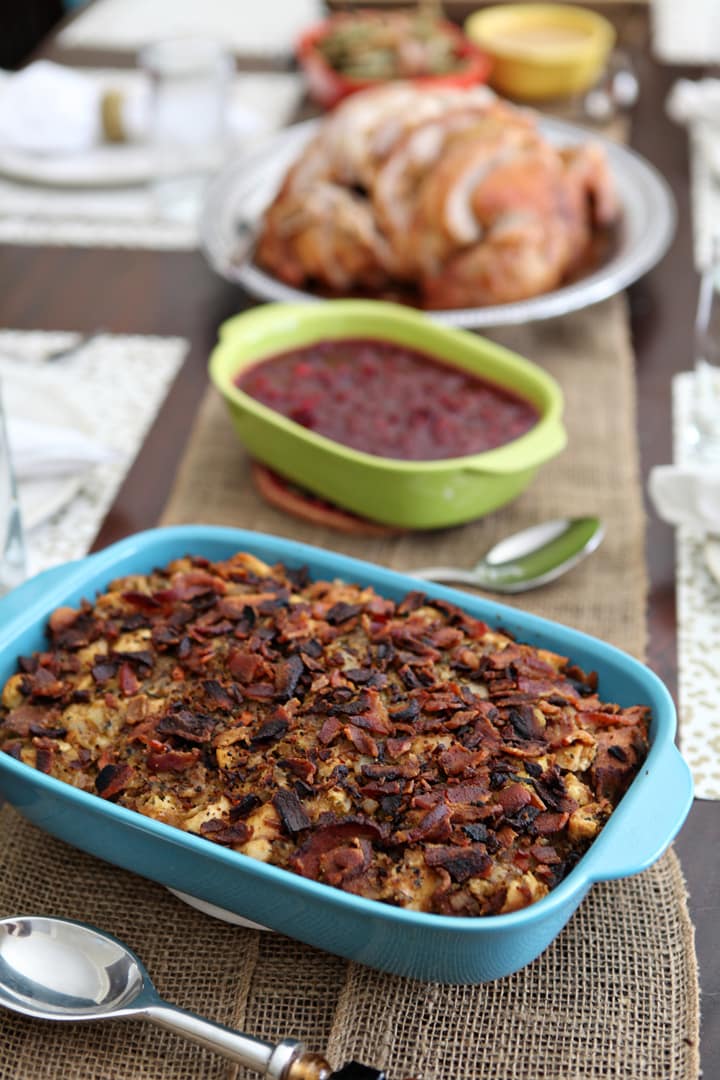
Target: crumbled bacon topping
<point>403,752</point>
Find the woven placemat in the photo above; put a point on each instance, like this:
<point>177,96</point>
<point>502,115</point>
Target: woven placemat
<point>615,996</point>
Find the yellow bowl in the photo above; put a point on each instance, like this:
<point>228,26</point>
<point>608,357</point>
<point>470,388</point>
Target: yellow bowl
<point>542,51</point>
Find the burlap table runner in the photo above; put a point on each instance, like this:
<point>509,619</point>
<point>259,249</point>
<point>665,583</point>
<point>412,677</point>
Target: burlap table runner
<point>615,996</point>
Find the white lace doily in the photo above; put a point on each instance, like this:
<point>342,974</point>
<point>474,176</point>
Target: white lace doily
<point>127,216</point>
<point>698,615</point>
<point>118,382</point>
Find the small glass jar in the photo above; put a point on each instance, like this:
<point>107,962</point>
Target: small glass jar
<point>190,81</point>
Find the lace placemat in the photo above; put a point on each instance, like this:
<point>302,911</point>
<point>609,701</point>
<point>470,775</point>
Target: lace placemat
<point>698,615</point>
<point>268,30</point>
<point>118,412</point>
<point>128,215</point>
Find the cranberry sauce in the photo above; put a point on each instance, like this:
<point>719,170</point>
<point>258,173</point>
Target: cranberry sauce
<point>388,400</point>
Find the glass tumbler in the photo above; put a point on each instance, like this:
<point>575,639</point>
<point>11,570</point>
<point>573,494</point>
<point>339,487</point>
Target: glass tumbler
<point>190,81</point>
<point>707,359</point>
<point>13,562</point>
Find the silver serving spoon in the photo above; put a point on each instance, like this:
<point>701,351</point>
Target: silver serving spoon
<point>58,969</point>
<point>527,559</point>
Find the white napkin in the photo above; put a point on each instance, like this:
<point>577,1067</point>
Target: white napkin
<point>49,109</point>
<point>40,451</point>
<point>687,495</point>
<point>695,103</point>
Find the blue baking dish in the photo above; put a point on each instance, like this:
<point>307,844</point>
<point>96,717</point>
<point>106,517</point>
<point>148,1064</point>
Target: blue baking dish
<point>429,947</point>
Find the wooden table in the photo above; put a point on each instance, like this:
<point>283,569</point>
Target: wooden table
<point>176,293</point>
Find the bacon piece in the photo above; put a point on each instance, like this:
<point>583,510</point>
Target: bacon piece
<point>545,854</point>
<point>172,760</point>
<point>461,863</point>
<point>330,730</point>
<point>291,811</point>
<point>514,797</point>
<point>244,666</point>
<point>341,613</point>
<point>468,793</point>
<point>548,822</point>
<point>44,684</point>
<point>306,860</point>
<point>457,760</point>
<point>395,748</point>
<point>62,618</point>
<point>270,732</point>
<point>287,676</point>
<point>342,864</point>
<point>44,757</point>
<point>20,719</point>
<point>221,833</point>
<point>192,727</point>
<point>301,767</point>
<point>362,742</point>
<point>127,680</point>
<point>112,779</point>
<point>434,826</point>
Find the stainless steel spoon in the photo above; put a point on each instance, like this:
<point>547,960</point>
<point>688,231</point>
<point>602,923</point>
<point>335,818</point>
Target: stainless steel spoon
<point>527,559</point>
<point>58,969</point>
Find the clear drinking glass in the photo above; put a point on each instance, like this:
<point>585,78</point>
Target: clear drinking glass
<point>13,562</point>
<point>707,359</point>
<point>190,81</point>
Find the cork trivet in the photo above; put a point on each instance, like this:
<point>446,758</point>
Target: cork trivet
<point>615,997</point>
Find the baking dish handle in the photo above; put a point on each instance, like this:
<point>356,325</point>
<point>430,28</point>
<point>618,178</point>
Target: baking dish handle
<point>22,596</point>
<point>644,837</point>
<point>538,448</point>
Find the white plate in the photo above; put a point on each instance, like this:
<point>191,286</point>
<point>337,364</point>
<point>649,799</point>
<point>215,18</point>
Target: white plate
<point>216,912</point>
<point>244,189</point>
<point>101,166</point>
<point>27,398</point>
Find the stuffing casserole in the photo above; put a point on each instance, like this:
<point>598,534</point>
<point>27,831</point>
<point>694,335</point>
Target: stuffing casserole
<point>404,752</point>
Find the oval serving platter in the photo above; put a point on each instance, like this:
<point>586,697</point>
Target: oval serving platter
<point>242,191</point>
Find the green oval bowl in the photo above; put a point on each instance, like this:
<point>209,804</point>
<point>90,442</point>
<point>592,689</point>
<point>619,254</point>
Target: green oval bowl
<point>409,494</point>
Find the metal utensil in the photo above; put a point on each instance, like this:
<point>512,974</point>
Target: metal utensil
<point>58,969</point>
<point>527,559</point>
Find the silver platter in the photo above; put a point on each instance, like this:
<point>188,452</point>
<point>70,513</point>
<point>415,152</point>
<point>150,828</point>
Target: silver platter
<point>246,186</point>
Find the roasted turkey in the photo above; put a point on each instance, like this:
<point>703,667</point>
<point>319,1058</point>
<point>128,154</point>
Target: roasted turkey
<point>450,192</point>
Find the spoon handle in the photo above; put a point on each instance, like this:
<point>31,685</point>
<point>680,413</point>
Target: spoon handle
<point>288,1060</point>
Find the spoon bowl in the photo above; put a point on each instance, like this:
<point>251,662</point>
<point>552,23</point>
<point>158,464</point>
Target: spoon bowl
<point>58,969</point>
<point>527,559</point>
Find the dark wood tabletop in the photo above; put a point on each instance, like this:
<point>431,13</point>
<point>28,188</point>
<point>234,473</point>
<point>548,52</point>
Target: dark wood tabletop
<point>149,292</point>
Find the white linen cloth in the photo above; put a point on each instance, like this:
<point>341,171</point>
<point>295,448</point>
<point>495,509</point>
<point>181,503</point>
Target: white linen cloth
<point>687,495</point>
<point>42,450</point>
<point>686,31</point>
<point>49,109</point>
<point>696,105</point>
<point>250,29</point>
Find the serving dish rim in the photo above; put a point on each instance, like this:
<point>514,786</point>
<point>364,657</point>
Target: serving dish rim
<point>62,583</point>
<point>475,70</point>
<point>500,459</point>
